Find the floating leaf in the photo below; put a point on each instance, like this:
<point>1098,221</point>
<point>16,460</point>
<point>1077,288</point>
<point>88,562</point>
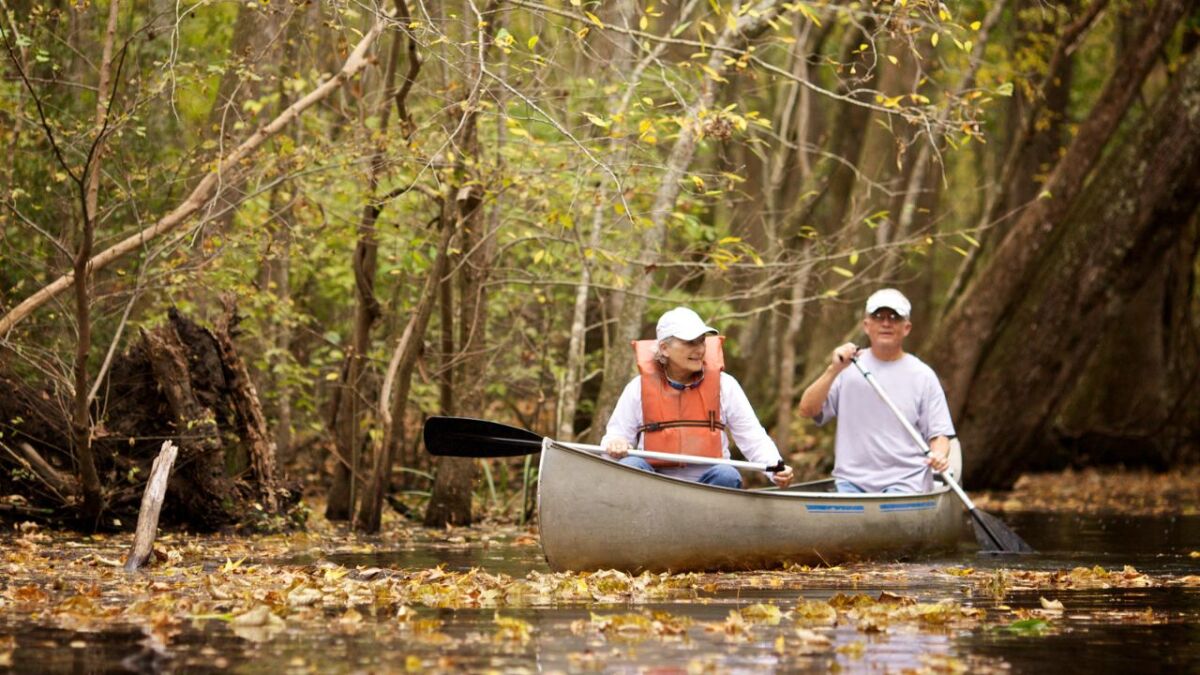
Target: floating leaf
<point>1053,605</point>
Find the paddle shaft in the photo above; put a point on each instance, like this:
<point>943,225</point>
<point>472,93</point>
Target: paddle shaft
<point>665,456</point>
<point>465,437</point>
<point>916,436</point>
<point>684,459</point>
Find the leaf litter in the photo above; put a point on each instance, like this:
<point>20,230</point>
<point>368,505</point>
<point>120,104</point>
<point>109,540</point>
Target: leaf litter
<point>236,585</point>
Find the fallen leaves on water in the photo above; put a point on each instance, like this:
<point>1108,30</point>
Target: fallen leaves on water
<point>1000,582</point>
<point>1101,491</point>
<point>814,613</point>
<point>765,613</point>
<point>1028,627</point>
<point>633,625</point>
<point>1051,605</point>
<point>509,629</point>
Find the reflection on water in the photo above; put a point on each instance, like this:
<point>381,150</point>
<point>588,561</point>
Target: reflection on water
<point>1144,630</point>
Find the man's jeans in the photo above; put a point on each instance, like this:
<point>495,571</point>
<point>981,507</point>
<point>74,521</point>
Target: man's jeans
<point>720,475</point>
<point>847,486</point>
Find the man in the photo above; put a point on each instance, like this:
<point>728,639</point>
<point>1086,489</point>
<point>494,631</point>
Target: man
<point>682,402</point>
<point>873,452</point>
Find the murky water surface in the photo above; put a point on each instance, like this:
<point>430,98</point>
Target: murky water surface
<point>1143,630</point>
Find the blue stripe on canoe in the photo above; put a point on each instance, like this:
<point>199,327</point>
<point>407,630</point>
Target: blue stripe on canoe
<point>912,506</point>
<point>835,508</point>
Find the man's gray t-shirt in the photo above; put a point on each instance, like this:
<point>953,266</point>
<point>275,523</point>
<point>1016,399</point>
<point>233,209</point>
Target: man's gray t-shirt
<point>873,450</point>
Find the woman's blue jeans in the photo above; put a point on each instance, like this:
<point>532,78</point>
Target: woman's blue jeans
<point>720,475</point>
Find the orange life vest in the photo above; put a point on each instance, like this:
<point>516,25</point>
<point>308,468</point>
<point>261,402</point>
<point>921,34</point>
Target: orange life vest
<point>681,421</point>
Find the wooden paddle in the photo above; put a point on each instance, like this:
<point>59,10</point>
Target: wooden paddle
<point>466,437</point>
<point>990,532</point>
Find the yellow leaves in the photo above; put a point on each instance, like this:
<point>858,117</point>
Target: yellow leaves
<point>894,60</point>
<point>892,102</point>
<point>814,613</point>
<point>334,574</point>
<point>976,25</point>
<point>511,630</point>
<point>595,19</point>
<point>230,565</point>
<point>259,624</point>
<point>933,39</point>
<point>633,625</point>
<point>712,73</point>
<point>1051,605</point>
<point>842,271</point>
<point>762,613</point>
<point>804,9</point>
<point>598,121</point>
<point>532,42</point>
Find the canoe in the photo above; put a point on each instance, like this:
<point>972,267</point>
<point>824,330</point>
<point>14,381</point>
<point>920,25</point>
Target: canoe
<point>597,514</point>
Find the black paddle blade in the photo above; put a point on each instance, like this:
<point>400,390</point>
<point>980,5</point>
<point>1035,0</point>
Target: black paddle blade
<point>994,536</point>
<point>466,437</point>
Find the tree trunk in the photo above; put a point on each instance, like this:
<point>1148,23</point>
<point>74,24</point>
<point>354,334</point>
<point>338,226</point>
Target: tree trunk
<point>629,324</point>
<point>81,422</point>
<point>1026,145</point>
<point>400,370</point>
<point>357,395</point>
<point>454,478</point>
<point>1114,234</point>
<point>961,342</point>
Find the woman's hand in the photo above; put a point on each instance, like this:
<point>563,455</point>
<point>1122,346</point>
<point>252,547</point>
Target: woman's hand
<point>783,478</point>
<point>617,448</point>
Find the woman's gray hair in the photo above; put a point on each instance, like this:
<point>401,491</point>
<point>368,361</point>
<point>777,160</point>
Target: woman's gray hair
<point>659,357</point>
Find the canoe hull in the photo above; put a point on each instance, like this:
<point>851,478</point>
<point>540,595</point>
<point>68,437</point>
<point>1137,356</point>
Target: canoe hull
<point>597,514</point>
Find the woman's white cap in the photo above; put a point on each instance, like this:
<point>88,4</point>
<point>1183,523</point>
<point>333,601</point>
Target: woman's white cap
<point>890,298</point>
<point>682,323</point>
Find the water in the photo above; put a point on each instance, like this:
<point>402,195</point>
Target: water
<point>1143,630</point>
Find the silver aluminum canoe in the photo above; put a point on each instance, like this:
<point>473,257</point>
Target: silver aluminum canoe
<point>597,514</point>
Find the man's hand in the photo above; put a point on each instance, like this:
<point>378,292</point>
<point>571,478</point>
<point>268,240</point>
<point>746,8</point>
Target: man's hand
<point>783,478</point>
<point>939,454</point>
<point>839,360</point>
<point>617,448</point>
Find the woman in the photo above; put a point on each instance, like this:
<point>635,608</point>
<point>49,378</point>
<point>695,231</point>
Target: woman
<point>683,402</point>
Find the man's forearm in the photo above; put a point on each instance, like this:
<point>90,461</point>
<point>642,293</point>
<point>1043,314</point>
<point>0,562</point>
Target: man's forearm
<point>814,396</point>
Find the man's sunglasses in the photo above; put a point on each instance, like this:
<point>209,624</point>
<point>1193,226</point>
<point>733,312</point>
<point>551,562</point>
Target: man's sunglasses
<point>882,315</point>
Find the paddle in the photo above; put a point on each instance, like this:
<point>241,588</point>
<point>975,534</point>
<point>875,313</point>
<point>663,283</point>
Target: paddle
<point>991,534</point>
<point>466,437</point>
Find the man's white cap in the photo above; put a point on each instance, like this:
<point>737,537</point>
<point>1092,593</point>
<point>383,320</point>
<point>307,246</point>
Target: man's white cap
<point>890,298</point>
<point>682,323</point>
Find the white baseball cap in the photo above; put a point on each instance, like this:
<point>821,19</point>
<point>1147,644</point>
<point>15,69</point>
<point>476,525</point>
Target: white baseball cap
<point>890,298</point>
<point>682,323</point>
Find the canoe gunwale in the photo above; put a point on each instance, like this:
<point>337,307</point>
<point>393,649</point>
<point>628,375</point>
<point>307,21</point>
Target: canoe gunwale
<point>771,492</point>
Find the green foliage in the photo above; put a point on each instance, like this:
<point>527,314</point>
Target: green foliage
<point>576,126</point>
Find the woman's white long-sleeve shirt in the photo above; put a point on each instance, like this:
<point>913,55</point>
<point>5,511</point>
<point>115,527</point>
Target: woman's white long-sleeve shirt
<point>736,414</point>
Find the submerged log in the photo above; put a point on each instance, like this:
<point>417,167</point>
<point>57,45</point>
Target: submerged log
<point>152,501</point>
